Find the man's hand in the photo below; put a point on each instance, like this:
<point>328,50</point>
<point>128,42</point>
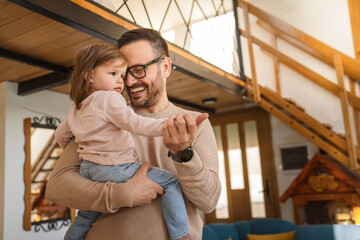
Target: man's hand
<point>144,190</point>
<point>179,131</point>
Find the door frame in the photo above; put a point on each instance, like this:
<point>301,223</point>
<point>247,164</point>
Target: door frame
<point>264,132</point>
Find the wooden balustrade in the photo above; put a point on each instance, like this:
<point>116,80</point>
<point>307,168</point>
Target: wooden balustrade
<point>303,41</point>
<point>342,149</point>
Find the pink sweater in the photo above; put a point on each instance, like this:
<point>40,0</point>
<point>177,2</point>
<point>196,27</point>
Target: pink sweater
<point>102,128</point>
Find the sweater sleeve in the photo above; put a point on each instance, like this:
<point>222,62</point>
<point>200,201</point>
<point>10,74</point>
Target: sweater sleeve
<point>124,117</point>
<point>199,177</point>
<point>68,188</point>
<point>63,134</point>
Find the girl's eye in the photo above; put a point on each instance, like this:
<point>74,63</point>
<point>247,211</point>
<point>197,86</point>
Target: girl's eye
<point>113,73</point>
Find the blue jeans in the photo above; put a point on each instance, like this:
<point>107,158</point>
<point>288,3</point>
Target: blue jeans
<point>172,202</point>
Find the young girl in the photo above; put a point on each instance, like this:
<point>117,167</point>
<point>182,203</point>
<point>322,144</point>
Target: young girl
<point>101,122</point>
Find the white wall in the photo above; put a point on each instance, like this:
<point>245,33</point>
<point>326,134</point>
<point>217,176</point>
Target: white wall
<point>283,136</point>
<point>2,154</point>
<point>325,20</point>
<point>48,102</point>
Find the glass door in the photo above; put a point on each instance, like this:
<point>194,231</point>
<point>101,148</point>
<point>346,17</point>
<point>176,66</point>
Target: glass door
<point>246,168</point>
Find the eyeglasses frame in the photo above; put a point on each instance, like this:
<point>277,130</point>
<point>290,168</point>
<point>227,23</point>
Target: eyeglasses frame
<point>144,66</point>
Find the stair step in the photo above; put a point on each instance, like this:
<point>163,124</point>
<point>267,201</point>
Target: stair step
<point>46,170</point>
<point>342,135</point>
<point>328,126</point>
<point>292,101</point>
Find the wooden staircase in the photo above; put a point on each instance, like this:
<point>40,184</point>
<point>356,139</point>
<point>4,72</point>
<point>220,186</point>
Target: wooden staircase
<point>295,116</point>
<point>40,172</point>
<point>45,163</point>
<point>339,146</point>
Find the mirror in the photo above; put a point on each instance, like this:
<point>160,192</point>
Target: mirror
<point>41,154</point>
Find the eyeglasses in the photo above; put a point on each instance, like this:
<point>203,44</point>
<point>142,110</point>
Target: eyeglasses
<point>138,71</point>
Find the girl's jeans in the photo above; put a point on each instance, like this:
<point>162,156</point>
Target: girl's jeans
<point>172,202</point>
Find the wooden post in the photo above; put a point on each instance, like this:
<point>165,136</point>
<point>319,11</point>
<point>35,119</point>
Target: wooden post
<point>355,112</point>
<point>255,86</point>
<point>276,65</point>
<point>345,109</point>
<point>354,12</point>
<point>27,175</point>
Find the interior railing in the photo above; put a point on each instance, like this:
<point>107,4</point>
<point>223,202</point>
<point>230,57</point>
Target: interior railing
<point>341,147</point>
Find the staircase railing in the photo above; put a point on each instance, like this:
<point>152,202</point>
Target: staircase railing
<point>340,147</point>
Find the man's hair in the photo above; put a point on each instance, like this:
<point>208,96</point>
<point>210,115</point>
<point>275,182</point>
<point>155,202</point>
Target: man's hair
<point>157,42</point>
<point>87,59</point>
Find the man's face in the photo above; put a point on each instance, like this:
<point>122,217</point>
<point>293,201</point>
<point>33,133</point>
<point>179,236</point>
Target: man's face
<point>147,91</point>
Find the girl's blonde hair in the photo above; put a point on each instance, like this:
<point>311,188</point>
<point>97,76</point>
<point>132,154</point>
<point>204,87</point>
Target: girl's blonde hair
<point>87,59</point>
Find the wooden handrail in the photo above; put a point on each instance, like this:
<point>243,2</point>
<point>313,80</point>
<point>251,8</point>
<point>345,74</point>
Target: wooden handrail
<point>306,72</point>
<point>303,41</point>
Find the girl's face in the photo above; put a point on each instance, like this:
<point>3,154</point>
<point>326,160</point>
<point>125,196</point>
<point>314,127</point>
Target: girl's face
<point>109,76</point>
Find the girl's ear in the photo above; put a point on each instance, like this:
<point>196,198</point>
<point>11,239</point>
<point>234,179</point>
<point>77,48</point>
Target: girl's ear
<point>86,76</point>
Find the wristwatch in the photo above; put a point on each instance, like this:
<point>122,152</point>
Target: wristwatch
<point>182,156</point>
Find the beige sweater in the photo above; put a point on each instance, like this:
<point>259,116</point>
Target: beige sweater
<point>199,181</point>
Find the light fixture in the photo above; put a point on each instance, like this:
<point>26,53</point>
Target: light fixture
<point>209,101</point>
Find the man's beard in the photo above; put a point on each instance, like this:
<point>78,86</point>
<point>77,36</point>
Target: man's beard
<point>151,98</point>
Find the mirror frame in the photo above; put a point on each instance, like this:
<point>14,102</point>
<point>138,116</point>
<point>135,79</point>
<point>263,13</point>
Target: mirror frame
<point>50,123</point>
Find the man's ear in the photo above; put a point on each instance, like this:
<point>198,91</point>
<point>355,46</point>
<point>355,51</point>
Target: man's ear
<point>167,67</point>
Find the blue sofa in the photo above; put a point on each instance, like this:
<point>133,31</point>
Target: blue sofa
<point>239,230</point>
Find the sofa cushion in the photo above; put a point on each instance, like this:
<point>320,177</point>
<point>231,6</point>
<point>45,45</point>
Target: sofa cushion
<point>314,232</point>
<point>243,228</point>
<point>210,234</point>
<point>224,230</point>
<point>270,226</point>
<point>276,236</point>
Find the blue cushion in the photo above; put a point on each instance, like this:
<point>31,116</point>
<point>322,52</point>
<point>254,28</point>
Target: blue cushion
<point>314,232</point>
<point>225,230</point>
<point>243,228</point>
<point>270,226</point>
<point>346,232</point>
<point>210,234</point>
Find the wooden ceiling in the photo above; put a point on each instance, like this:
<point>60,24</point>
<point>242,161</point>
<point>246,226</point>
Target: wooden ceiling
<point>38,37</point>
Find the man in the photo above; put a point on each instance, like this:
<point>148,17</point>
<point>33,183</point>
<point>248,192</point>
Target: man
<point>136,207</point>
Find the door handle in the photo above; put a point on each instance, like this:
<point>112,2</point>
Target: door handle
<point>267,191</point>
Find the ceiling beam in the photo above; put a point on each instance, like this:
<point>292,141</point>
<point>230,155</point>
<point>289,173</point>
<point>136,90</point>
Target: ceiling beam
<point>228,86</point>
<point>33,61</point>
<point>56,79</point>
<point>191,105</point>
<point>108,26</point>
<point>42,83</point>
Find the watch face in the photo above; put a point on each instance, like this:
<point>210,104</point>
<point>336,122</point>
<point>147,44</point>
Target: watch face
<point>186,155</point>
